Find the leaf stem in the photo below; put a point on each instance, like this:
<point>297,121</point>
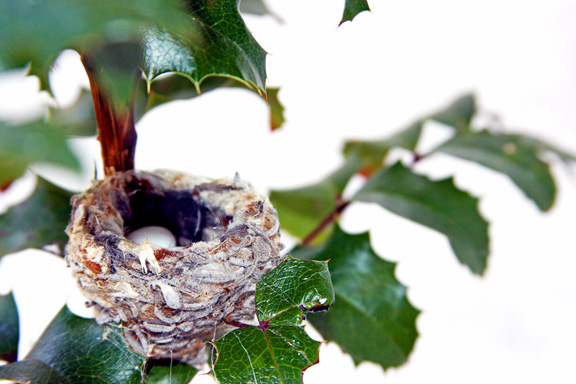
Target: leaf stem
<point>326,222</point>
<point>116,126</point>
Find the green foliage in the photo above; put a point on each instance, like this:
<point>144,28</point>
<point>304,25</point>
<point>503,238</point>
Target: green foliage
<point>205,45</point>
<point>220,44</point>
<point>372,318</point>
<point>9,328</point>
<point>512,155</point>
<point>303,209</point>
<point>294,283</point>
<point>32,143</point>
<point>439,205</point>
<point>352,8</point>
<point>38,221</point>
<point>77,350</point>
<point>167,371</point>
<point>278,350</point>
<point>81,24</point>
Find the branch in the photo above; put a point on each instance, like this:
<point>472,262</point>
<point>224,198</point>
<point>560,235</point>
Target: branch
<point>326,222</point>
<point>116,129</point>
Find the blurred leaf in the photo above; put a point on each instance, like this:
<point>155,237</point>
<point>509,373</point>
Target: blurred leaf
<point>36,222</point>
<point>80,24</point>
<point>458,114</point>
<point>84,352</point>
<point>168,371</point>
<point>352,8</point>
<point>277,354</point>
<point>33,372</point>
<point>435,204</point>
<point>255,7</point>
<point>301,210</point>
<point>276,108</point>
<point>294,283</point>
<point>374,152</point>
<point>36,142</point>
<point>371,319</point>
<point>513,155</point>
<point>77,119</point>
<point>220,44</point>
<point>9,328</point>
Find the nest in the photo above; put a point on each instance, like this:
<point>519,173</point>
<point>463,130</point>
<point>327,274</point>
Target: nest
<point>169,301</point>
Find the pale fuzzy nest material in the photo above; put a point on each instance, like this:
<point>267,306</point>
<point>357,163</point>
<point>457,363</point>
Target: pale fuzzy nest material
<point>170,300</point>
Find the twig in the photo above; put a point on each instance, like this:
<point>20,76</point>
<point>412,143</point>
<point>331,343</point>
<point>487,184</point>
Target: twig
<point>325,223</point>
<point>116,127</point>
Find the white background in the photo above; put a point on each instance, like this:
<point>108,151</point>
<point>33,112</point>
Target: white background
<point>364,80</point>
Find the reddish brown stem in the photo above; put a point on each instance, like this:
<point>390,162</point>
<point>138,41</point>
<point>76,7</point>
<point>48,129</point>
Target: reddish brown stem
<point>325,223</point>
<point>116,127</point>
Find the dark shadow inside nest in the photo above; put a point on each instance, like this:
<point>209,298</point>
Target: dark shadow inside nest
<point>179,211</point>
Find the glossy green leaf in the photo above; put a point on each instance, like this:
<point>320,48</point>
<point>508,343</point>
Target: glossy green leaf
<point>277,354</point>
<point>168,371</point>
<point>35,142</point>
<point>84,352</point>
<point>373,152</point>
<point>30,371</point>
<point>278,350</point>
<point>36,222</point>
<point>436,204</point>
<point>219,45</point>
<point>352,8</point>
<point>458,114</point>
<point>81,25</point>
<point>9,328</point>
<point>294,283</point>
<point>301,210</point>
<point>371,318</point>
<point>513,155</point>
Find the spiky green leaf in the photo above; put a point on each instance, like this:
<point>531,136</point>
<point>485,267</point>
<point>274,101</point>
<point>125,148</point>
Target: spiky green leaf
<point>516,156</point>
<point>372,318</point>
<point>439,205</point>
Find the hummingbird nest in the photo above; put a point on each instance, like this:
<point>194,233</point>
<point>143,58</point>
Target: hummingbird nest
<point>170,300</point>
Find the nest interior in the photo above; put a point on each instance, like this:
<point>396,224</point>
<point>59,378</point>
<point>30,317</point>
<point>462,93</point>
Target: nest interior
<point>169,301</point>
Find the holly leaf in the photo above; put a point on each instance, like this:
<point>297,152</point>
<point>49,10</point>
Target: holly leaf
<point>353,8</point>
<point>277,354</point>
<point>219,45</point>
<point>301,210</point>
<point>9,328</point>
<point>169,371</point>
<point>36,142</point>
<point>458,114</point>
<point>436,204</point>
<point>36,222</point>
<point>372,318</point>
<point>77,350</point>
<point>278,350</point>
<point>294,284</point>
<point>516,156</point>
<point>30,371</point>
<point>80,24</point>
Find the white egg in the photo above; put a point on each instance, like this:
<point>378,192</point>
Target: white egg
<point>156,235</point>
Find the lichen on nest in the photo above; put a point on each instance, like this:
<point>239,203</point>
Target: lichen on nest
<point>170,300</point>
